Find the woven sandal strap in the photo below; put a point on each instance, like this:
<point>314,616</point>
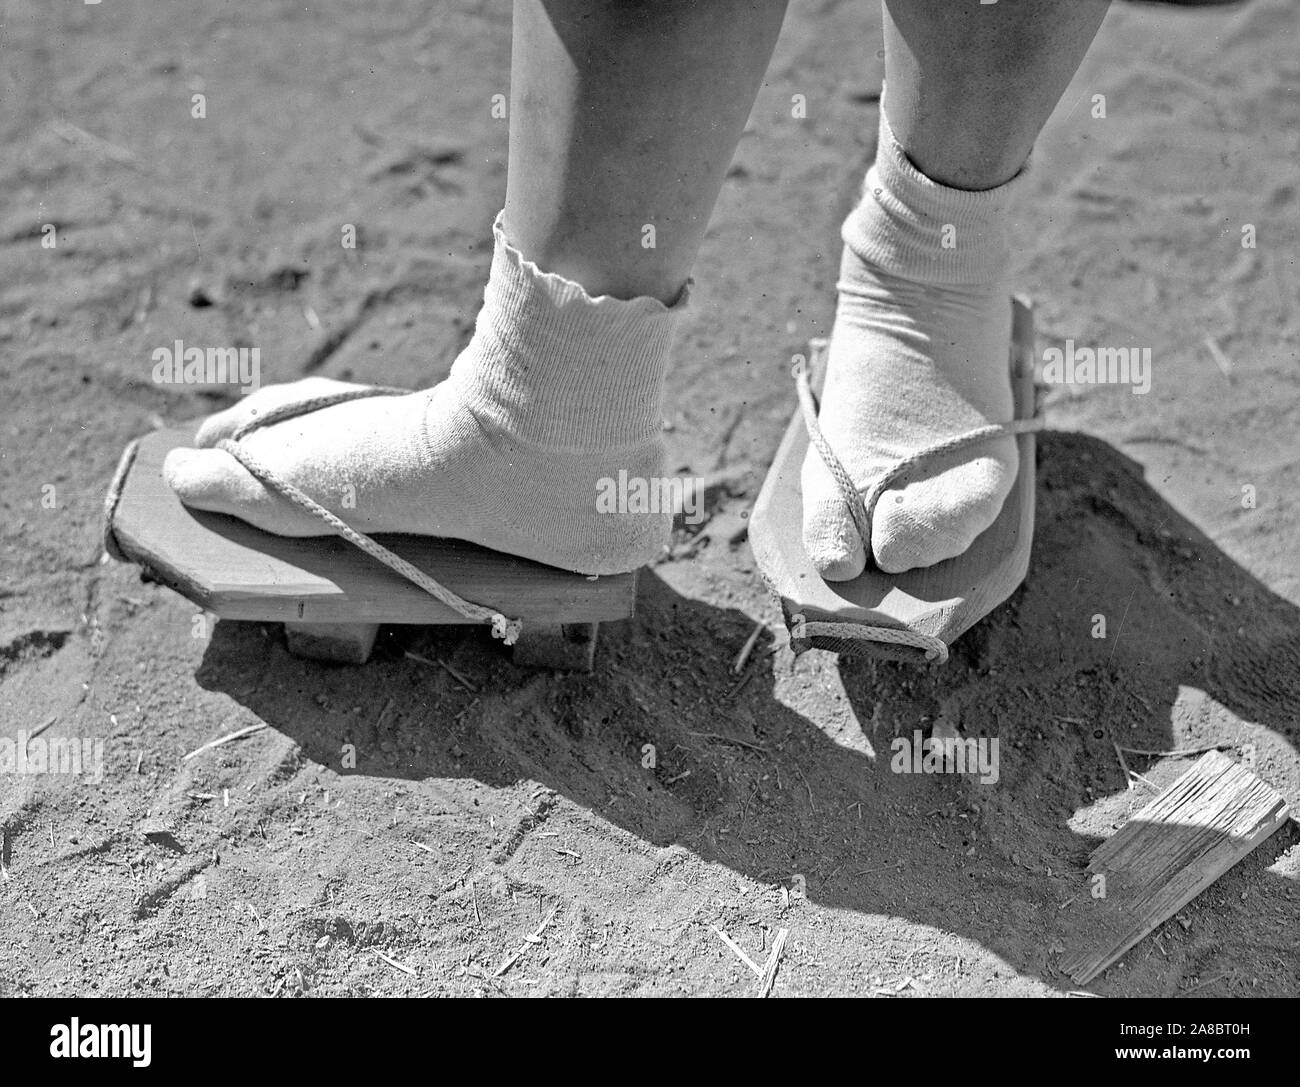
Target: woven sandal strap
<point>316,403</point>
<point>114,496</point>
<point>935,649</point>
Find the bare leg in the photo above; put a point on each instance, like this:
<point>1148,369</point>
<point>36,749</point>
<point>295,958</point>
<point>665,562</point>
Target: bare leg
<point>623,115</point>
<point>971,85</point>
<point>919,351</point>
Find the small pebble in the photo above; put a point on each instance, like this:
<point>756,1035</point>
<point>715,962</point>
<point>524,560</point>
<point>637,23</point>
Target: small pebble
<point>198,296</point>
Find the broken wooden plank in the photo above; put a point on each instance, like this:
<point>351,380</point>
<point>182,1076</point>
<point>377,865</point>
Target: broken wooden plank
<point>1167,854</point>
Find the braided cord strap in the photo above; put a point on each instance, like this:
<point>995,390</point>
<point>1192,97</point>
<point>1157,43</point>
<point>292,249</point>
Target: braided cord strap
<point>862,506</point>
<point>935,649</point>
<point>114,496</point>
<point>316,403</point>
<point>507,630</point>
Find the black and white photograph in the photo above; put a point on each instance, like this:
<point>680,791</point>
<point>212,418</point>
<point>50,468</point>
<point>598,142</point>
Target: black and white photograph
<point>651,498</point>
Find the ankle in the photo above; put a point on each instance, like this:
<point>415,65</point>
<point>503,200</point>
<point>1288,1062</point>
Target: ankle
<point>925,231</point>
<point>556,368</point>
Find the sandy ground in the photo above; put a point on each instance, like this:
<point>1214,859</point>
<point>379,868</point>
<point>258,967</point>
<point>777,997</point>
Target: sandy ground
<point>267,867</point>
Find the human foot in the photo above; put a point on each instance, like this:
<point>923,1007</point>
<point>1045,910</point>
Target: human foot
<point>918,354</point>
<point>555,392</point>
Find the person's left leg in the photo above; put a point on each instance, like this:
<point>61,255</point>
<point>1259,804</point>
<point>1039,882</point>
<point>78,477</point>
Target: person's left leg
<point>919,351</point>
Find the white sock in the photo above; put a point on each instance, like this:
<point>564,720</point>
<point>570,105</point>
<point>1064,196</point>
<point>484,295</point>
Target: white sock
<point>919,353</point>
<point>555,392</point>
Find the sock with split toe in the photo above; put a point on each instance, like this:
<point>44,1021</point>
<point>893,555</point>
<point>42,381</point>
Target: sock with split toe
<point>918,354</point>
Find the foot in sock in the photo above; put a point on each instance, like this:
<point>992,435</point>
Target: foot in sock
<point>555,392</point>
<point>918,354</point>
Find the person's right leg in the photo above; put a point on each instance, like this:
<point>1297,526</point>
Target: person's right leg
<point>625,115</point>
<point>919,351</point>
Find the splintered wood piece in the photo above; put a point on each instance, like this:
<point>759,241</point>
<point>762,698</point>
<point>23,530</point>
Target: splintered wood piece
<point>236,571</point>
<point>943,600</point>
<point>347,643</point>
<point>566,647</point>
<point>1168,853</point>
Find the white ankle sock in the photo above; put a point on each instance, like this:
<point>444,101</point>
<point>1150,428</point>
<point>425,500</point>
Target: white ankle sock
<point>919,353</point>
<point>555,392</point>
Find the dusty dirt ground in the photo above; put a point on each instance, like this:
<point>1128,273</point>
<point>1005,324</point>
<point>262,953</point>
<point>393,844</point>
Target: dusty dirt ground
<point>266,867</point>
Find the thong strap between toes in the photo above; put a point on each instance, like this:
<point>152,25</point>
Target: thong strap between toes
<point>862,506</point>
<point>506,629</point>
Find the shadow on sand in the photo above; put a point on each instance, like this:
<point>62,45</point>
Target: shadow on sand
<point>1195,647</point>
